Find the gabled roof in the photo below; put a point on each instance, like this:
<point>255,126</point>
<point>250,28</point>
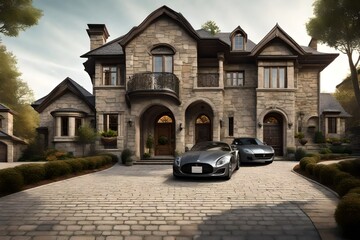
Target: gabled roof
<point>67,85</point>
<point>277,33</point>
<point>238,29</point>
<point>162,11</point>
<point>111,48</point>
<point>330,105</point>
<point>4,108</point>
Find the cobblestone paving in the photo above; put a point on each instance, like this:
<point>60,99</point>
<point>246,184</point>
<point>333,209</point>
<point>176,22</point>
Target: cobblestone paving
<point>146,202</point>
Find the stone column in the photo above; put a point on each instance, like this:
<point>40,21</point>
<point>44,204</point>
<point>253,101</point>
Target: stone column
<point>71,126</point>
<point>221,69</point>
<point>57,126</point>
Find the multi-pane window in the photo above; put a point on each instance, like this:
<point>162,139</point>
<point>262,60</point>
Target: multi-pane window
<point>332,125</point>
<point>238,42</point>
<point>235,79</point>
<point>64,126</point>
<point>110,122</point>
<point>112,76</point>
<point>231,126</point>
<point>275,77</point>
<point>162,59</point>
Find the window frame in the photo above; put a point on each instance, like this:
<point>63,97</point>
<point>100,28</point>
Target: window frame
<point>231,126</point>
<point>275,72</point>
<point>107,125</point>
<point>164,54</point>
<point>241,46</point>
<point>64,125</point>
<point>332,125</point>
<point>237,78</point>
<point>119,75</point>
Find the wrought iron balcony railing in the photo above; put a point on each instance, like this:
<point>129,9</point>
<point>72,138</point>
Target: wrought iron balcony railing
<point>208,80</point>
<point>153,83</point>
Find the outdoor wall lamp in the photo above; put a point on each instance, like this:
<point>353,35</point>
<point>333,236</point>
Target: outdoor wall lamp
<point>130,122</point>
<point>259,124</point>
<point>290,124</point>
<point>180,127</point>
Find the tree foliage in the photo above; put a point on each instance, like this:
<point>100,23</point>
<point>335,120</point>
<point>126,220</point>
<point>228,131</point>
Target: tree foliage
<point>211,27</point>
<point>16,16</point>
<point>16,94</point>
<point>86,135</point>
<point>337,24</point>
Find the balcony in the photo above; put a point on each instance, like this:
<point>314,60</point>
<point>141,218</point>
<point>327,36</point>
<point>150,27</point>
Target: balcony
<point>150,84</point>
<point>208,80</point>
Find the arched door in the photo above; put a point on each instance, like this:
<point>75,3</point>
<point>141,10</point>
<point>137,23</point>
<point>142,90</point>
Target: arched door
<point>273,132</point>
<point>202,129</point>
<point>3,152</point>
<point>164,136</point>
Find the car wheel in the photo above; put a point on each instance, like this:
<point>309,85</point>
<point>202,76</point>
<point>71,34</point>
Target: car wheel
<point>237,163</point>
<point>229,171</point>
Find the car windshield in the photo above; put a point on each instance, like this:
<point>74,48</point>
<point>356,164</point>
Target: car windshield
<point>211,146</point>
<point>247,141</point>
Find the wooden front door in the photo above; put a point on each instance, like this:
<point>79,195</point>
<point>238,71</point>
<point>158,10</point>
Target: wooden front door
<point>202,129</point>
<point>164,136</point>
<point>273,132</point>
<point>3,152</point>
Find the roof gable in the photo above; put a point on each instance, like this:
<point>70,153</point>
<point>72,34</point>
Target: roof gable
<point>277,33</point>
<point>330,105</point>
<point>162,11</point>
<point>67,85</point>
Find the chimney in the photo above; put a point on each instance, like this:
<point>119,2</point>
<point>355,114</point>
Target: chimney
<point>98,35</point>
<point>313,43</point>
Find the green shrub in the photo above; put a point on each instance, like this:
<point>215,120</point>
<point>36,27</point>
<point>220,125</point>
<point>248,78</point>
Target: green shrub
<point>344,186</point>
<point>290,150</point>
<point>305,161</point>
<point>355,190</point>
<point>340,176</point>
<point>310,168</point>
<point>299,154</point>
<point>75,164</point>
<point>113,157</point>
<point>328,173</point>
<point>316,156</point>
<point>56,169</point>
<point>350,166</point>
<point>11,180</point>
<point>325,151</point>
<point>32,173</point>
<point>341,149</point>
<point>319,137</point>
<point>126,153</point>
<point>317,169</point>
<point>347,215</point>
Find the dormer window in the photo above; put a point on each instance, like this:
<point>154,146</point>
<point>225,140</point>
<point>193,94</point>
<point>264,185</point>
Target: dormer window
<point>238,42</point>
<point>162,59</point>
<point>238,39</point>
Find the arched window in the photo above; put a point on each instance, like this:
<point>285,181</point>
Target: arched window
<point>162,59</point>
<point>202,119</point>
<point>165,119</point>
<point>238,42</point>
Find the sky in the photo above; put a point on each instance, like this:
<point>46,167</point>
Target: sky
<point>49,52</point>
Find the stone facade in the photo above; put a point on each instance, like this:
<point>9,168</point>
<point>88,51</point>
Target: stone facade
<point>180,86</point>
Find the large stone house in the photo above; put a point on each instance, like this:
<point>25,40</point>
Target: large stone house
<point>179,85</point>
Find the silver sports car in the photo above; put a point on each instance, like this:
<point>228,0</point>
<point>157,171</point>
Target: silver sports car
<point>253,150</point>
<point>207,159</point>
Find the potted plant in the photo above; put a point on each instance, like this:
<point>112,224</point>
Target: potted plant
<point>162,140</point>
<point>149,143</point>
<point>109,138</point>
<point>300,136</point>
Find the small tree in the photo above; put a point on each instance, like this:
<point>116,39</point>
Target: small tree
<point>211,27</point>
<point>86,135</point>
<point>150,143</point>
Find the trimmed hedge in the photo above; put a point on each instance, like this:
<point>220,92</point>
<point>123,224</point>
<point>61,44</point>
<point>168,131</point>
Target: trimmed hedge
<point>344,186</point>
<point>32,172</point>
<point>14,179</point>
<point>327,174</point>
<point>347,215</point>
<point>10,180</point>
<point>305,161</point>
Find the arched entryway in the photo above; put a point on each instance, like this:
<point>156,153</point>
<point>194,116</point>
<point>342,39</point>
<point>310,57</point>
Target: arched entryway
<point>273,132</point>
<point>158,123</point>
<point>202,129</point>
<point>3,152</point>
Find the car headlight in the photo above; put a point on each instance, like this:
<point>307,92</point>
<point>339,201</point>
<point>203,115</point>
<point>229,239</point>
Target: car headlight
<point>247,151</point>
<point>222,161</point>
<point>177,161</point>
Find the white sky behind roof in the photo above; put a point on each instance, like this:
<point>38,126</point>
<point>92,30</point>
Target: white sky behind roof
<point>50,51</point>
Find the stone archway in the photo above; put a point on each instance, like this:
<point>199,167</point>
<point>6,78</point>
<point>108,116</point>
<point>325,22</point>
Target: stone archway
<point>273,132</point>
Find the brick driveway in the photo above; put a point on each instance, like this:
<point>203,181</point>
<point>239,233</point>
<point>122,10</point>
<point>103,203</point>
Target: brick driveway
<point>146,202</point>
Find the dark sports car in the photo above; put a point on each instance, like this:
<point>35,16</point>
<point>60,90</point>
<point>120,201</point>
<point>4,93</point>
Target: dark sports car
<point>253,150</point>
<point>207,159</point>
